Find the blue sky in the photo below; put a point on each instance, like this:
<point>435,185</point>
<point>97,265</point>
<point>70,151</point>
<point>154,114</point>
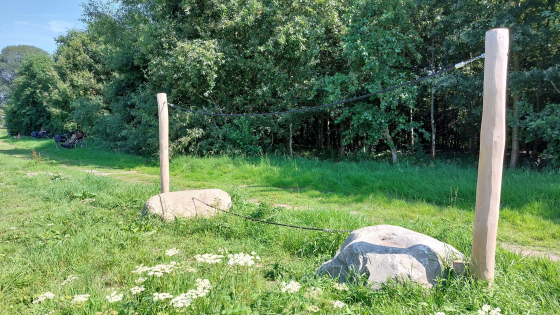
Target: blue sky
<point>37,22</point>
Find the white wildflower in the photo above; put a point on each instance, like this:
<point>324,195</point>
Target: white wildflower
<point>253,253</point>
<point>203,283</point>
<point>51,312</point>
<point>257,258</point>
<point>341,286</point>
<point>69,279</point>
<point>196,293</point>
<point>50,224</point>
<point>203,286</point>
<point>209,258</point>
<point>222,250</point>
<point>114,297</point>
<point>44,296</point>
<point>140,280</point>
<point>151,233</point>
<point>190,269</point>
<point>80,298</point>
<point>172,251</point>
<point>315,292</point>
<point>141,268</point>
<point>13,228</point>
<point>313,309</point>
<point>439,313</point>
<point>162,296</point>
<point>138,289</point>
<point>182,300</point>
<point>338,304</point>
<point>241,259</point>
<point>157,270</point>
<point>291,287</point>
<point>487,310</point>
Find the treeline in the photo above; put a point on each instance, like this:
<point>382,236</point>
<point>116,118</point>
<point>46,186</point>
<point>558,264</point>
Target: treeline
<point>256,56</point>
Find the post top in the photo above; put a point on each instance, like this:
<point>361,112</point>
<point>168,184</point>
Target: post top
<point>498,30</point>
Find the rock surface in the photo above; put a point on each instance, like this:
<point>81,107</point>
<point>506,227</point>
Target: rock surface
<point>180,203</point>
<point>385,252</point>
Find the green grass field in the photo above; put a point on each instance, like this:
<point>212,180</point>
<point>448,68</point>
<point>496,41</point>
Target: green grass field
<point>77,213</point>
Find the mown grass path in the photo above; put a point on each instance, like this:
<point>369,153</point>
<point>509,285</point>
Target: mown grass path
<point>76,212</point>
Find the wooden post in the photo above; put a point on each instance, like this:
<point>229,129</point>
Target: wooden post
<point>163,141</point>
<point>491,161</point>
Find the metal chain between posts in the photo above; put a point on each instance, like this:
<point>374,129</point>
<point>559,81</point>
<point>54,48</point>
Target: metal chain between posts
<point>456,66</point>
<point>268,222</point>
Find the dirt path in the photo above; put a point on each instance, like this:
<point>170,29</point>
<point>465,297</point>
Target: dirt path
<point>129,176</point>
<point>527,251</point>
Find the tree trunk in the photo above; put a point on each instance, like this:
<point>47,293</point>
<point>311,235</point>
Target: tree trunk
<point>411,132</point>
<point>291,150</point>
<point>433,122</point>
<point>320,130</point>
<point>391,145</point>
<point>341,148</point>
<point>433,127</point>
<point>328,133</point>
<point>515,128</point>
<point>535,152</point>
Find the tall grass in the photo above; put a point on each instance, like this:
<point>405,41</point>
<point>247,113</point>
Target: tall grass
<point>57,221</point>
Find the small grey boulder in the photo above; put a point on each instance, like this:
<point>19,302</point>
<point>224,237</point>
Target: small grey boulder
<point>385,252</point>
<point>180,203</point>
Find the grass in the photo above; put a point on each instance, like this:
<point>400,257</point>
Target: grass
<point>69,222</point>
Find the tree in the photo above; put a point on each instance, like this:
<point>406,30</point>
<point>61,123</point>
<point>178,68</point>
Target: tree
<point>29,107</point>
<point>532,54</point>
<point>11,58</point>
<point>379,46</point>
<point>82,72</point>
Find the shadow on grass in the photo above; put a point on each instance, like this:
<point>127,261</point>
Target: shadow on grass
<point>527,193</point>
<point>82,156</point>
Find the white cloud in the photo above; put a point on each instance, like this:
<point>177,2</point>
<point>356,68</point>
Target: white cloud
<point>24,23</point>
<point>60,26</point>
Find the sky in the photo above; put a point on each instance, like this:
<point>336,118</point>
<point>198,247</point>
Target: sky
<point>37,22</point>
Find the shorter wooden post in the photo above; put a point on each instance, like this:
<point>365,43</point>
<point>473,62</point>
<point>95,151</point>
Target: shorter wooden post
<point>491,160</point>
<point>163,141</point>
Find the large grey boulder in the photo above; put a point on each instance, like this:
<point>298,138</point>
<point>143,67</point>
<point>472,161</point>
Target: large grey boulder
<point>385,252</point>
<point>180,203</point>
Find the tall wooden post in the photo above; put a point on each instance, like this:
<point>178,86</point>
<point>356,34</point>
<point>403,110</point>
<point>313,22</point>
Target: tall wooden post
<point>163,141</point>
<point>490,165</point>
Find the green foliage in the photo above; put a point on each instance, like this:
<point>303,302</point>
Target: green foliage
<point>546,126</point>
<point>11,58</point>
<point>263,56</point>
<point>191,65</point>
<point>29,107</point>
<point>81,70</point>
<point>379,45</point>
